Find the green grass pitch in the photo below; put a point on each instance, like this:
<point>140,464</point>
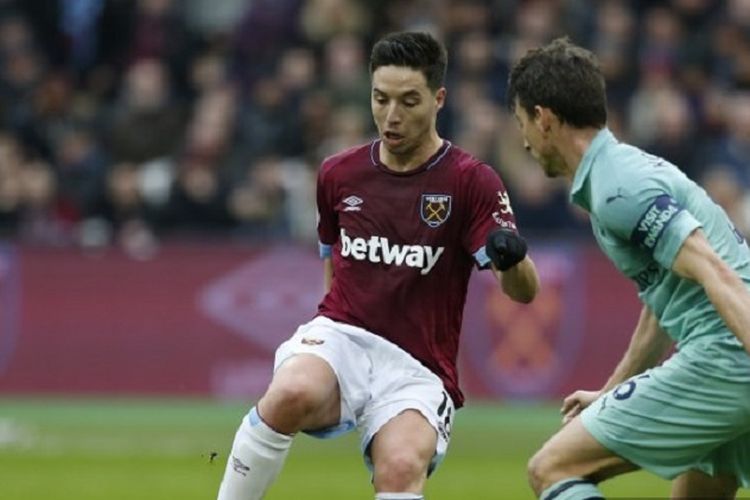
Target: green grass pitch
<point>90,449</point>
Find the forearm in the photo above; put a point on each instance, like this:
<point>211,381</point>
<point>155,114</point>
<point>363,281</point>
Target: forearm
<point>520,282</point>
<point>729,295</point>
<point>731,298</point>
<point>647,346</point>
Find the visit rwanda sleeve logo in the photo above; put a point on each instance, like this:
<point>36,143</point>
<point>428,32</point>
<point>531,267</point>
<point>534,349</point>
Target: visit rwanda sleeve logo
<point>654,220</point>
<point>435,208</point>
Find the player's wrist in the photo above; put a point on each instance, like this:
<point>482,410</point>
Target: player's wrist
<point>505,248</point>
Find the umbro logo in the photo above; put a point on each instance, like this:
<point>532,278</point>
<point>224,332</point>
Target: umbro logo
<point>353,203</point>
<point>239,467</point>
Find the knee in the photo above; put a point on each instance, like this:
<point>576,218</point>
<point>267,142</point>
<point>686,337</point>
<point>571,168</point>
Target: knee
<point>400,471</point>
<point>541,470</point>
<point>292,399</point>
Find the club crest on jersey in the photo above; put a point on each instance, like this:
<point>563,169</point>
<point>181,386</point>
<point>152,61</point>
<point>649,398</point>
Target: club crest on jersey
<point>435,208</point>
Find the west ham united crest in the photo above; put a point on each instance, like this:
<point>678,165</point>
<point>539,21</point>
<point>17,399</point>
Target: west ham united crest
<point>435,208</point>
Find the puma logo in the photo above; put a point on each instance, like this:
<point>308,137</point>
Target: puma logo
<point>617,195</point>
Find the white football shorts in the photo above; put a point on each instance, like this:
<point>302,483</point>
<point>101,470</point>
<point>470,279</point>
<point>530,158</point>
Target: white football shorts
<point>378,380</point>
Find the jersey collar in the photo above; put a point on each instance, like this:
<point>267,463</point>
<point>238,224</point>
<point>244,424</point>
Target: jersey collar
<point>431,162</point>
<point>601,139</point>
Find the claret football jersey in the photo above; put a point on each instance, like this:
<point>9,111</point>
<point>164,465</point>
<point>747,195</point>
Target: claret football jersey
<point>403,246</point>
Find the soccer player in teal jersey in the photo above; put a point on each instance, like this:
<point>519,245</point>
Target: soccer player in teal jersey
<point>688,418</point>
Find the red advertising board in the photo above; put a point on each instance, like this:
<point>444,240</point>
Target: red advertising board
<point>205,320</point>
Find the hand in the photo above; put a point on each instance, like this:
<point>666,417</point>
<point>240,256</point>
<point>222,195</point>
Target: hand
<point>575,403</point>
<point>505,248</point>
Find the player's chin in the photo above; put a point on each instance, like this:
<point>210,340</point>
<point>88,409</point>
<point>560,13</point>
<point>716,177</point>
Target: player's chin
<point>549,168</point>
<point>550,173</point>
<point>396,147</point>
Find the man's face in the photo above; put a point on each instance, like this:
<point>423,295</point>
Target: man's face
<point>536,139</point>
<point>404,108</point>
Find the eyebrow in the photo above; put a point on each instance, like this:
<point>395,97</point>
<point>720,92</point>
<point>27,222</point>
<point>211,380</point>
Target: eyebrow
<point>408,93</point>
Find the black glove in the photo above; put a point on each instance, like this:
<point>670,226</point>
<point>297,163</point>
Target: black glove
<point>505,248</point>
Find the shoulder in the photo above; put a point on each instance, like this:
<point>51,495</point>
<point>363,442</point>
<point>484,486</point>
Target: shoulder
<point>469,167</point>
<point>627,173</point>
<point>628,169</point>
<point>352,156</point>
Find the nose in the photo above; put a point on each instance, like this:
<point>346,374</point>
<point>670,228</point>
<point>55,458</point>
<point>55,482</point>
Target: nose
<point>393,116</point>
<point>526,145</point>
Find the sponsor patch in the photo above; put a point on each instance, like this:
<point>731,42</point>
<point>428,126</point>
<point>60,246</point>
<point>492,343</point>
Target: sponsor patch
<point>377,249</point>
<point>654,220</point>
<point>435,208</point>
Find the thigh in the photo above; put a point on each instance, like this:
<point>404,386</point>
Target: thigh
<point>401,384</point>
<point>697,484</point>
<point>323,358</point>
<point>668,419</point>
<point>574,452</point>
<point>730,461</point>
<point>405,446</point>
<point>303,394</point>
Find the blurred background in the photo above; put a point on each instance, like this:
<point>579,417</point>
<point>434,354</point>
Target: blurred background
<point>157,216</point>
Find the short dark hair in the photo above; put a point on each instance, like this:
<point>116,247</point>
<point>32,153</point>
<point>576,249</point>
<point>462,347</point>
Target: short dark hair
<point>419,51</point>
<point>563,77</point>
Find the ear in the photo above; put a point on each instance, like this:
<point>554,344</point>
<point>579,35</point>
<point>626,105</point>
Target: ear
<point>544,118</point>
<point>440,97</point>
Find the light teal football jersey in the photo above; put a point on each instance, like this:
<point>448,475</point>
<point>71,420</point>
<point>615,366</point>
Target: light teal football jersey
<point>642,208</point>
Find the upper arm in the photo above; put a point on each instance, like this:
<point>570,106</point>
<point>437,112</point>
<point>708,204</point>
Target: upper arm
<point>327,216</point>
<point>328,223</point>
<point>650,324</point>
<point>488,207</point>
<point>696,260</point>
<point>648,215</point>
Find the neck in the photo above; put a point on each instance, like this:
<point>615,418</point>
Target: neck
<point>572,146</point>
<point>412,159</point>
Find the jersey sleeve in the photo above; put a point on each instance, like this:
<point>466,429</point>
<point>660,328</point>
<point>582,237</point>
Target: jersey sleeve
<point>488,208</point>
<point>645,213</point>
<point>327,216</point>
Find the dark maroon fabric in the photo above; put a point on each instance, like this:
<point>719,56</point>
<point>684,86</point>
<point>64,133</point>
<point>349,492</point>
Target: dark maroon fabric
<point>403,246</point>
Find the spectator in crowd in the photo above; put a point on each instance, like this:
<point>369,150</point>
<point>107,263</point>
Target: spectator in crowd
<point>131,120</point>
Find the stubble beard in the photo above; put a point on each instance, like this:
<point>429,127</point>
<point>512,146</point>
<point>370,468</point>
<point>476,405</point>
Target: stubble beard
<point>552,165</point>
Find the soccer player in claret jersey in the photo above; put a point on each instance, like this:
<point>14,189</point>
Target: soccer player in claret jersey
<point>402,222</point>
<point>688,417</point>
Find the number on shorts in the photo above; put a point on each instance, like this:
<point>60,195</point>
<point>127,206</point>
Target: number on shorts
<point>626,389</point>
<point>444,422</point>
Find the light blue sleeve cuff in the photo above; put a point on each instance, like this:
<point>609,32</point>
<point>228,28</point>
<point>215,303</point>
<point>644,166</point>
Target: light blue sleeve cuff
<point>325,250</point>
<point>483,261</point>
<point>674,236</point>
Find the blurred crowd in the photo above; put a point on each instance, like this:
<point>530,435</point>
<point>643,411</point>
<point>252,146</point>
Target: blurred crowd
<point>124,122</point>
